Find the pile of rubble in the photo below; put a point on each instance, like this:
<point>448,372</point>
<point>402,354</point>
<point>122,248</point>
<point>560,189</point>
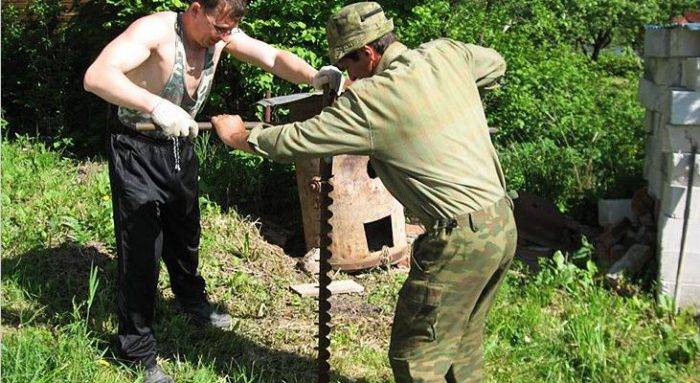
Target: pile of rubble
<point>625,248</point>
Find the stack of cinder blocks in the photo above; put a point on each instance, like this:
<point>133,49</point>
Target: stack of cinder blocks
<point>670,92</point>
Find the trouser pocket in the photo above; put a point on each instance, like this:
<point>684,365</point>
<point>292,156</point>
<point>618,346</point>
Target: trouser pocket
<point>415,318</point>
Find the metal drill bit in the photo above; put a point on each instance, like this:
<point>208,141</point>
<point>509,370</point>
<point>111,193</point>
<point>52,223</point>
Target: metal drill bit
<point>324,279</point>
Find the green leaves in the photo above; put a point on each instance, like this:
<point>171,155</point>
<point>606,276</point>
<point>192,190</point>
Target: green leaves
<point>561,115</point>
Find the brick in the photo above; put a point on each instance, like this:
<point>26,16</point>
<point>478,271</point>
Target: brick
<point>671,42</point>
<point>673,200</point>
<point>664,70</point>
<point>690,73</point>
<point>679,138</point>
<point>676,169</point>
<point>684,107</point>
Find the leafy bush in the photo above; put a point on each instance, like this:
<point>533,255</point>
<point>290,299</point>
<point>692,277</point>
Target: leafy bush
<point>251,183</point>
<point>560,123</point>
<point>561,114</point>
<point>35,75</point>
<point>624,63</point>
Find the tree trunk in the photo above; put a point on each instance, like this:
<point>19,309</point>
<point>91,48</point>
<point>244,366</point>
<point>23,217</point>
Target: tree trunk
<point>601,41</point>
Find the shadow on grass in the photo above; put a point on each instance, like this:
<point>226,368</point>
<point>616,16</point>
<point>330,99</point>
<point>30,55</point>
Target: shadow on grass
<point>57,277</point>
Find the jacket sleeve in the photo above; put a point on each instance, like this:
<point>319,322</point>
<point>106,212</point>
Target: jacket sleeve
<point>486,65</point>
<point>339,129</point>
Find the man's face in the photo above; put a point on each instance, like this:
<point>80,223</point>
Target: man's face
<point>363,66</point>
<point>214,24</point>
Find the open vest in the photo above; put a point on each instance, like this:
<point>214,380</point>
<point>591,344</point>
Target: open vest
<point>175,88</point>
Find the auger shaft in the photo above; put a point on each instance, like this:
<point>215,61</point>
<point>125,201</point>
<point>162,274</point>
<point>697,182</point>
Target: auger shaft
<point>324,279</point>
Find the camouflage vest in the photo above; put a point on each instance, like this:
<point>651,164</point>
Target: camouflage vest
<point>174,89</point>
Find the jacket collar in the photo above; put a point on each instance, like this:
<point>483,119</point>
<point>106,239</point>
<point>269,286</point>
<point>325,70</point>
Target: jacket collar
<point>390,54</point>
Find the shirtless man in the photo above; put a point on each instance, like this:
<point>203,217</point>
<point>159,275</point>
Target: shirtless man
<point>160,70</point>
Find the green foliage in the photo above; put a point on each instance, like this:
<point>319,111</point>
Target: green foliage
<point>561,325</point>
<point>251,183</point>
<point>597,23</point>
<point>34,83</point>
<point>561,115</point>
<point>52,199</point>
<point>67,354</point>
<point>560,330</point>
<point>559,120</point>
<point>624,63</point>
<point>130,10</point>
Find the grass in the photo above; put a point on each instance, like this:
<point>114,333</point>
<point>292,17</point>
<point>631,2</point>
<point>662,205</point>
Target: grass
<point>58,321</point>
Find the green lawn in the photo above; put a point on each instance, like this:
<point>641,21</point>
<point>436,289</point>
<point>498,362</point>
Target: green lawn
<point>58,321</point>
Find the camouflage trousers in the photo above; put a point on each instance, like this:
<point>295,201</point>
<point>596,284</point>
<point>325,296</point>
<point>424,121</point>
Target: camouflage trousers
<point>456,269</point>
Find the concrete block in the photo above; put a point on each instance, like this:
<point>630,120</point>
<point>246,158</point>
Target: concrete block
<point>613,211</point>
<point>677,106</point>
<point>679,138</point>
<point>655,178</point>
<point>670,232</point>
<point>653,165</point>
<point>673,200</point>
<point>647,158</point>
<point>336,287</point>
<point>668,266</point>
<point>689,294</point>
<point>649,118</point>
<point>655,152</point>
<point>690,73</point>
<point>656,42</point>
<point>684,107</point>
<point>671,42</point>
<point>630,264</point>
<point>651,96</point>
<point>664,70</point>
<point>676,169</point>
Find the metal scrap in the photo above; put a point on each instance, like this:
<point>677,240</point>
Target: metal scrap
<point>539,222</point>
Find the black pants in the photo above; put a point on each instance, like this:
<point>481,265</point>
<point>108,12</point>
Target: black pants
<point>156,214</point>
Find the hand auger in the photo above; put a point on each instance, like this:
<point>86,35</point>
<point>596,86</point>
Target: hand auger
<point>324,278</point>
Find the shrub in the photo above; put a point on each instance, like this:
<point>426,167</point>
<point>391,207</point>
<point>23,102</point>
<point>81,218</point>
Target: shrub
<point>561,114</point>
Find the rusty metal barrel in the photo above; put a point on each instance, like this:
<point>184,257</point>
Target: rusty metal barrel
<point>369,226</point>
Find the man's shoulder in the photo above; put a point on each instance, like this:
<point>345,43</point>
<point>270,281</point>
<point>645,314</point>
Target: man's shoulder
<point>156,25</point>
<point>444,44</point>
<point>158,20</point>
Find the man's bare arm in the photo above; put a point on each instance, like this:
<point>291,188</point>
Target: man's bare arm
<point>276,61</point>
<point>231,130</point>
<point>106,77</point>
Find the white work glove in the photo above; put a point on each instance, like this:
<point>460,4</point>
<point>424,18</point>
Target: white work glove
<point>329,75</point>
<point>173,120</point>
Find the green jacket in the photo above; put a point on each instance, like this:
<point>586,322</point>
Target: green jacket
<point>421,121</point>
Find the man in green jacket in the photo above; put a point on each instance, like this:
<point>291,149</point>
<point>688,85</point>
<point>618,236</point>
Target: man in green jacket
<point>418,115</point>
